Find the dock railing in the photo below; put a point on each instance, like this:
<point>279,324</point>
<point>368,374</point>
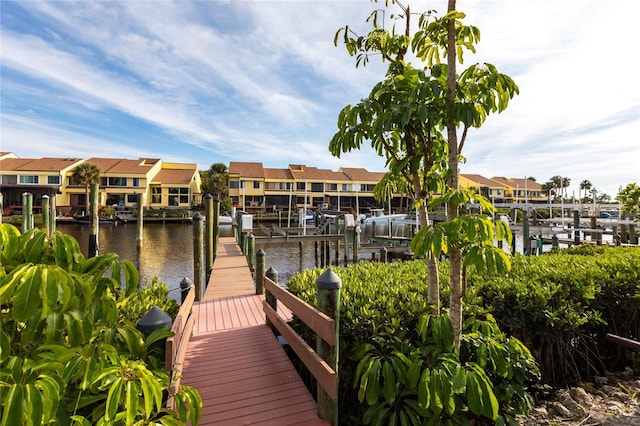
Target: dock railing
<point>324,321</point>
<point>176,345</point>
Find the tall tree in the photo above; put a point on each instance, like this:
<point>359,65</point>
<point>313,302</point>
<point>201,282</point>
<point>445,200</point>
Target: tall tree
<point>86,174</point>
<point>402,118</point>
<point>585,186</point>
<point>215,180</point>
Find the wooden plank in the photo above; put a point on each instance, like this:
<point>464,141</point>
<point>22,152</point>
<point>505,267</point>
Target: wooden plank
<point>323,373</point>
<point>323,325</point>
<point>623,341</point>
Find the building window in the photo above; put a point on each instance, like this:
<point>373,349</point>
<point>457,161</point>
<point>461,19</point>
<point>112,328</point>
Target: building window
<point>333,187</point>
<point>132,198</point>
<point>317,187</point>
<point>116,181</point>
<point>256,184</point>
<point>345,187</point>
<point>156,195</point>
<point>53,180</point>
<point>29,179</point>
<point>136,181</point>
<point>184,195</point>
<point>301,186</point>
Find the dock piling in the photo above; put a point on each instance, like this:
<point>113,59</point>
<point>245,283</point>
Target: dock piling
<point>209,224</point>
<point>198,249</point>
<point>93,220</point>
<point>260,271</point>
<point>45,214</point>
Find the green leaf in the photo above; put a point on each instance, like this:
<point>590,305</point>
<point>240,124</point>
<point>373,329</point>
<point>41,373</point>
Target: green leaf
<point>26,300</point>
<point>113,399</point>
<point>131,396</point>
<point>34,405</point>
<point>7,289</point>
<point>373,382</point>
<point>12,403</point>
<point>389,388</point>
<point>34,247</point>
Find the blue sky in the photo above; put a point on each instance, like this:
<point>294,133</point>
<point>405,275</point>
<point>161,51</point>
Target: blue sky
<point>217,81</point>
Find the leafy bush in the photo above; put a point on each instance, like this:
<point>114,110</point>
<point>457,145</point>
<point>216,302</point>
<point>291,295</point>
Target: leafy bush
<point>152,293</point>
<point>403,362</point>
<point>561,306</point>
<point>66,357</point>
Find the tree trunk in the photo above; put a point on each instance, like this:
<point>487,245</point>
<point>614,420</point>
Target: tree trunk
<point>455,256</point>
<point>433,295</point>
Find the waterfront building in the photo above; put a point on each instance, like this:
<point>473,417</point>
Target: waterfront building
<point>122,181</point>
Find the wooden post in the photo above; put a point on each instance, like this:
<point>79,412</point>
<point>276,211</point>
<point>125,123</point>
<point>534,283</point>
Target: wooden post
<point>45,214</point>
<point>93,220</point>
<point>27,215</point>
<point>633,239</point>
<point>185,286</point>
<point>383,255</point>
<point>272,274</point>
<point>216,226</point>
<point>1,206</point>
<point>356,243</point>
<point>209,226</point>
<point>260,271</point>
<point>576,227</point>
<point>554,241</point>
<point>623,230</point>
<point>328,294</point>
<point>526,244</point>
<point>197,254</point>
<point>592,225</point>
<point>346,245</point>
<point>52,215</point>
<point>140,223</point>
<point>251,251</point>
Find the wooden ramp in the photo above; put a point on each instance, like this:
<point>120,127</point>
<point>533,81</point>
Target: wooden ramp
<point>234,360</point>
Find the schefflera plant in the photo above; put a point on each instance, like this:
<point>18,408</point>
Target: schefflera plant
<point>65,356</point>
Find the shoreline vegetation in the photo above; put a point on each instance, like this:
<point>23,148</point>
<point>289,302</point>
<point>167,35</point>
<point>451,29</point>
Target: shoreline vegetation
<point>528,334</point>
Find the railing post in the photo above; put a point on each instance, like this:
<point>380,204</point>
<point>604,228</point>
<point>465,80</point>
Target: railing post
<point>272,274</point>
<point>52,215</point>
<point>209,226</point>
<point>260,271</point>
<point>216,226</point>
<point>328,294</point>
<point>140,223</point>
<point>383,255</point>
<point>251,249</point>
<point>45,214</point>
<point>197,254</point>
<point>93,220</point>
<point>526,243</point>
<point>576,227</point>
<point>185,285</point>
<point>27,214</point>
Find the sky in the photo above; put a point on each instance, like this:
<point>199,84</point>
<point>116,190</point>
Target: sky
<point>218,81</point>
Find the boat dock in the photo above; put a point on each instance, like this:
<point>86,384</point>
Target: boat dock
<point>234,359</point>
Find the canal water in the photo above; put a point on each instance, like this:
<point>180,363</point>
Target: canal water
<point>167,251</point>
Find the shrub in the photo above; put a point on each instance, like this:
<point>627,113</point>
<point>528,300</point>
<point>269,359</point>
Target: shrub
<point>402,362</point>
<point>66,357</point>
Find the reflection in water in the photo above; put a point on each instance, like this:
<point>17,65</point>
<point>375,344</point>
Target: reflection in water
<point>166,253</point>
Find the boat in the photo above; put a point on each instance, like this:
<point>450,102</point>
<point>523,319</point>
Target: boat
<point>225,220</point>
<point>102,220</point>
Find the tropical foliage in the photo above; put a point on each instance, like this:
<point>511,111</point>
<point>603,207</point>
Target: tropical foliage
<point>86,174</point>
<point>66,356</point>
<point>630,198</point>
<point>399,364</point>
<point>405,116</point>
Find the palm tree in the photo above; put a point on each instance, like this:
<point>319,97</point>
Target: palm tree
<point>586,186</point>
<point>86,174</point>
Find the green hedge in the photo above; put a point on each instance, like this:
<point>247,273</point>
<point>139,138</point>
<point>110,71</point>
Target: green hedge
<point>561,305</point>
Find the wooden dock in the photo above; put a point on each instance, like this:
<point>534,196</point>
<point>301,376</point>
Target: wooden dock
<point>234,360</point>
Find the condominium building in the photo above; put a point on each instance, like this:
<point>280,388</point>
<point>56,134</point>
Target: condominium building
<point>122,182</point>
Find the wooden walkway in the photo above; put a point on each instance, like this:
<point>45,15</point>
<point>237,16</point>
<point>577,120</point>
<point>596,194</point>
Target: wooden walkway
<point>234,360</point>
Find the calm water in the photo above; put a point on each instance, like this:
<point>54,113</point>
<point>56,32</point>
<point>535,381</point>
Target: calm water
<point>167,251</point>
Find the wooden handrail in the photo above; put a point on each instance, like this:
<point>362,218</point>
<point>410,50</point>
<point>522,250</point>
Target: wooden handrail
<point>320,323</point>
<point>322,363</point>
<point>623,341</point>
<point>176,345</point>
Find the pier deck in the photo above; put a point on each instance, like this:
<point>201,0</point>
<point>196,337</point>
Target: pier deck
<point>234,360</point>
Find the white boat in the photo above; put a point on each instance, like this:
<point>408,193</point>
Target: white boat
<point>225,220</point>
<point>378,216</point>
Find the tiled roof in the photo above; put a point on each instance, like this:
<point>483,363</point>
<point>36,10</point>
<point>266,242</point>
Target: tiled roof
<point>361,174</point>
<point>246,169</point>
<point>175,176</point>
<point>483,181</point>
<point>118,165</point>
<point>518,182</point>
<point>37,165</point>
<point>280,174</point>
